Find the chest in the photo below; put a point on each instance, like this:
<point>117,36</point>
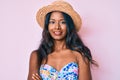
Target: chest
<point>59,59</point>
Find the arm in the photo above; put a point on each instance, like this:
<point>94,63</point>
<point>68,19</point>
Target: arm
<point>33,67</point>
<point>84,68</point>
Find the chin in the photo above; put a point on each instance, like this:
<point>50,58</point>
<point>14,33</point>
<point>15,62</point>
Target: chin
<point>59,38</point>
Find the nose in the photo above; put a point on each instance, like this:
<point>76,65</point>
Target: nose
<point>57,26</point>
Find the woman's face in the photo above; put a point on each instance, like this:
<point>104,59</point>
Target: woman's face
<point>57,26</point>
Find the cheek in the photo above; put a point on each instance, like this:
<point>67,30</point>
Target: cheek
<point>51,26</point>
<point>50,29</point>
<point>64,28</point>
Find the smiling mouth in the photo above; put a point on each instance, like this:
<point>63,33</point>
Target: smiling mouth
<point>57,33</point>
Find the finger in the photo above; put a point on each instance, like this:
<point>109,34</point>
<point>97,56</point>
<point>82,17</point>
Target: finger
<point>33,77</point>
<point>36,77</point>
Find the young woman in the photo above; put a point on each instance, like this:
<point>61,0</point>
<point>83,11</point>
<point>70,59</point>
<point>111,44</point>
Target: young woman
<point>61,54</point>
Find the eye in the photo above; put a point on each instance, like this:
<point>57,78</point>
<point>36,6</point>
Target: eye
<point>63,22</point>
<point>51,22</point>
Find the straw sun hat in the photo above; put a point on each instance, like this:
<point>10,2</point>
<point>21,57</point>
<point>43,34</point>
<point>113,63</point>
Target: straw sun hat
<point>61,6</point>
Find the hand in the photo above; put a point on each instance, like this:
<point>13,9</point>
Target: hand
<point>36,77</point>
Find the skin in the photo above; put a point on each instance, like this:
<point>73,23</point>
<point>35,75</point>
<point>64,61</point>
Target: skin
<point>61,55</point>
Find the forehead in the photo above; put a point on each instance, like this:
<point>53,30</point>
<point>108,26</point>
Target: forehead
<point>56,15</point>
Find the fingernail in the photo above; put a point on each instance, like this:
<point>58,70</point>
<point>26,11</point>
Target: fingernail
<point>36,73</point>
<point>33,74</point>
<point>32,77</point>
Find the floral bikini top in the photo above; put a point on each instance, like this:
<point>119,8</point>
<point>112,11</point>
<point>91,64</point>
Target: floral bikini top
<point>68,72</point>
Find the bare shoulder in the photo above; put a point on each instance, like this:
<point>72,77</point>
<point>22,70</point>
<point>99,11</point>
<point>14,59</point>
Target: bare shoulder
<point>80,58</point>
<point>33,58</point>
<point>33,55</point>
<point>78,55</point>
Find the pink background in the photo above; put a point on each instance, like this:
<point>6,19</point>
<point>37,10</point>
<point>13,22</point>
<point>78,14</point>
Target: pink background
<point>20,34</point>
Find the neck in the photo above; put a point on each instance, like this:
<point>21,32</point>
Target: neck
<point>59,45</point>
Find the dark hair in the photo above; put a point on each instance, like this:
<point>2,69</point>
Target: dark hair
<point>73,41</point>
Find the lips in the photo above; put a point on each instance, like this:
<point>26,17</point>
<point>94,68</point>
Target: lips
<point>57,33</point>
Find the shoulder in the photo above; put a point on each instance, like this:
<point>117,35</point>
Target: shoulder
<point>77,54</point>
<point>33,55</point>
<point>33,62</point>
<point>80,58</point>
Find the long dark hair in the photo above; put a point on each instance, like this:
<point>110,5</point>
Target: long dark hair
<point>73,41</point>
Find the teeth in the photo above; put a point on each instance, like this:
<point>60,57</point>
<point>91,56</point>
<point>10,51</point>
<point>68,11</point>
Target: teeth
<point>58,33</point>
